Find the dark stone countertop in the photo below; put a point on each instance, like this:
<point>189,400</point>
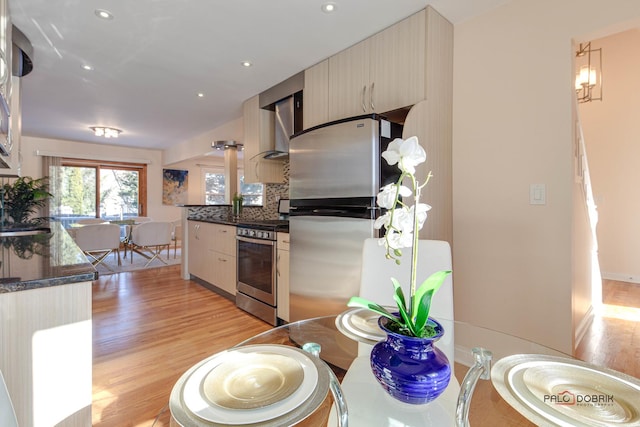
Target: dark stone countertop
<point>42,260</point>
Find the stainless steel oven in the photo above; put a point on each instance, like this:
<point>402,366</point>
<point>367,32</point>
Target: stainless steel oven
<point>256,256</point>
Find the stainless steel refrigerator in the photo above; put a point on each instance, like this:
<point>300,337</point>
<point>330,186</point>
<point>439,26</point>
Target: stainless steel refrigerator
<point>336,172</point>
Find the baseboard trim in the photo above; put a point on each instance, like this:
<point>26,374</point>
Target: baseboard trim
<point>583,326</point>
<point>621,277</point>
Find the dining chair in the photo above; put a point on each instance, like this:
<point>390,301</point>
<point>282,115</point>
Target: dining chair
<point>149,238</point>
<point>135,220</point>
<point>99,240</point>
<point>377,271</point>
<point>176,235</point>
<point>7,412</point>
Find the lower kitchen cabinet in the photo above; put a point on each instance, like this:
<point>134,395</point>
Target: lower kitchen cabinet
<point>282,277</point>
<point>212,254</point>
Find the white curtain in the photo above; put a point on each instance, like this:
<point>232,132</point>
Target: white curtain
<point>51,168</point>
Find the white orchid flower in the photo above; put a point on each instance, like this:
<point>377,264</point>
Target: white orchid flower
<point>407,153</point>
<point>421,213</point>
<point>387,196</point>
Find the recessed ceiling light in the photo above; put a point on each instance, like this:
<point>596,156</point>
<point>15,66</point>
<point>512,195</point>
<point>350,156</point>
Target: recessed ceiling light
<point>246,63</point>
<point>104,14</point>
<point>87,67</point>
<point>200,95</point>
<point>329,7</point>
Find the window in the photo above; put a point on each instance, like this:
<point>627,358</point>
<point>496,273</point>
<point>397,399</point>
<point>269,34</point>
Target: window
<point>93,189</point>
<point>214,188</point>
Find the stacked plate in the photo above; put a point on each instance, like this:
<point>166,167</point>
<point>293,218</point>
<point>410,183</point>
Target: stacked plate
<point>361,325</point>
<point>266,385</point>
<point>556,391</point>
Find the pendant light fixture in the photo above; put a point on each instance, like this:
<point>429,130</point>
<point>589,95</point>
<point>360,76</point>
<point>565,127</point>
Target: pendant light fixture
<point>588,73</point>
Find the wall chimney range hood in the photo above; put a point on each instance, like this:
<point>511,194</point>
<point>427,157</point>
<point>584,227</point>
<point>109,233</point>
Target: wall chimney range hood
<point>285,100</point>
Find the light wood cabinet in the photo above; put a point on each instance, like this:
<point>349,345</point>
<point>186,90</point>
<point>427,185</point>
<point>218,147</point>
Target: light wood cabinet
<point>349,82</point>
<point>259,135</point>
<point>45,337</point>
<point>223,251</point>
<point>198,248</point>
<point>212,254</point>
<point>382,73</point>
<point>282,277</point>
<point>316,95</point>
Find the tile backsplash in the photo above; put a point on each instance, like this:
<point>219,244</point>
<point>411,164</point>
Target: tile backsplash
<point>269,210</point>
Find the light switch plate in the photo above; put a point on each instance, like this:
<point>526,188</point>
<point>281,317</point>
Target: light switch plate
<point>537,194</point>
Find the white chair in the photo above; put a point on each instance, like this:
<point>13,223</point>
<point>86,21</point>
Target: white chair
<point>433,255</point>
<point>149,238</point>
<point>7,413</point>
<point>88,221</point>
<point>99,240</point>
<point>135,220</point>
<point>176,235</point>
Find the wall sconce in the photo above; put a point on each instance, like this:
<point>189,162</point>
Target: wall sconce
<point>223,145</point>
<point>589,74</point>
<point>105,131</point>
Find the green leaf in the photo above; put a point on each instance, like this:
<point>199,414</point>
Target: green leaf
<point>432,284</point>
<point>421,315</point>
<point>377,308</point>
<point>398,296</point>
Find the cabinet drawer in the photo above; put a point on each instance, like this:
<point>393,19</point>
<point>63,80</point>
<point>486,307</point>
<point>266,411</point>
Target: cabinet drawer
<point>223,239</point>
<point>283,241</point>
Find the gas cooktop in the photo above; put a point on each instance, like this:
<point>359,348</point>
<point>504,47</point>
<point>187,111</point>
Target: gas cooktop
<point>265,224</point>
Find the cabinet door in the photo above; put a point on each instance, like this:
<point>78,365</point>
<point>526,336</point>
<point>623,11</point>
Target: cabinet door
<point>224,271</point>
<point>349,82</point>
<point>259,135</point>
<point>282,277</point>
<point>398,65</point>
<point>316,95</point>
<point>198,249</point>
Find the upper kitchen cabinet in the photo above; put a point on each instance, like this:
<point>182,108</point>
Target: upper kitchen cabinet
<point>316,95</point>
<point>382,73</point>
<point>349,84</point>
<point>5,50</point>
<point>258,138</point>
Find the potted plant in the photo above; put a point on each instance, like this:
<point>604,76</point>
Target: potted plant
<point>410,331</point>
<point>22,198</point>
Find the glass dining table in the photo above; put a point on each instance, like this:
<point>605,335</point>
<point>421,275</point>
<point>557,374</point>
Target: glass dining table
<point>498,380</point>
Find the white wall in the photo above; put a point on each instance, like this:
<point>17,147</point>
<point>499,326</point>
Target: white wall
<point>611,134</point>
<point>515,269</point>
<point>32,166</point>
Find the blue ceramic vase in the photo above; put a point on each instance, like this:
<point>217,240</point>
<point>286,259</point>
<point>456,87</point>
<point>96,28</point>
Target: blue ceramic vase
<point>410,369</point>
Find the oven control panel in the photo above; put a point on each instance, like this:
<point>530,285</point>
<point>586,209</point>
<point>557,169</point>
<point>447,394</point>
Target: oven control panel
<point>256,234</point>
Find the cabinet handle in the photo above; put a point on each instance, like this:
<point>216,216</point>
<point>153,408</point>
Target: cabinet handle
<point>364,90</point>
<point>285,241</point>
<point>222,231</point>
<point>222,259</point>
<point>373,107</point>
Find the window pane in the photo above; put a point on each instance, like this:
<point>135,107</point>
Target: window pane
<point>119,193</point>
<point>214,188</point>
<point>77,192</point>
<point>251,193</point>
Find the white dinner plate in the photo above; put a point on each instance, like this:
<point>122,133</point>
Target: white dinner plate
<point>361,325</point>
<point>551,390</point>
<point>206,395</point>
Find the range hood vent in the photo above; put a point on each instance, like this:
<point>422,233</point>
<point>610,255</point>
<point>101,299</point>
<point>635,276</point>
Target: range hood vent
<point>285,100</point>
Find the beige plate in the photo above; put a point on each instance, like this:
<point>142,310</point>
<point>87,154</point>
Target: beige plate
<point>361,325</point>
<point>551,390</point>
<point>253,380</point>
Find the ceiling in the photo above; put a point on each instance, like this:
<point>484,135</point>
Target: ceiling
<point>150,62</point>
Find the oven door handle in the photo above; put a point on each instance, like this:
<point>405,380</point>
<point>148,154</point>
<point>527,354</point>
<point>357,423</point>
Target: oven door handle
<point>258,241</point>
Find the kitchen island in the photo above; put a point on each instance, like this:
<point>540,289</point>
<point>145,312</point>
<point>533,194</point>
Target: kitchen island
<point>45,328</point>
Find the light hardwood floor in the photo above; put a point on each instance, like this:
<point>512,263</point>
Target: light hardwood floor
<point>150,326</point>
